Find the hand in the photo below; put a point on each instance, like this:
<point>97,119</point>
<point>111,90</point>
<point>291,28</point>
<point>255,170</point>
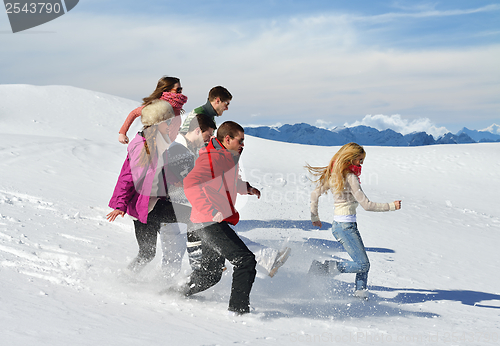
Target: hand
<point>218,217</point>
<point>254,191</point>
<point>317,223</point>
<point>398,204</point>
<point>122,138</point>
<point>114,214</point>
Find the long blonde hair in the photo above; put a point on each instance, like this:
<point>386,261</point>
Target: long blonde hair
<point>334,174</point>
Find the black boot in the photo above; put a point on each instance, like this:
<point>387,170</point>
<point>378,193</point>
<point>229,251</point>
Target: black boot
<point>318,268</point>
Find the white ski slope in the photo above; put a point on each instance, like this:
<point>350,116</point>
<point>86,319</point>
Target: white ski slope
<point>433,280</point>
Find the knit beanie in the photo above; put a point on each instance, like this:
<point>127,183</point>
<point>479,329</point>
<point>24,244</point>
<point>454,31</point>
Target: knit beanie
<point>176,100</point>
<point>156,112</point>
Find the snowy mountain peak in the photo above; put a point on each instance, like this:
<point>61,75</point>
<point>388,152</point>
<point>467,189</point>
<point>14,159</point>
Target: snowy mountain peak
<point>480,136</point>
<point>494,128</point>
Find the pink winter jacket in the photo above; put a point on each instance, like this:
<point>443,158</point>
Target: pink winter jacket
<point>133,189</point>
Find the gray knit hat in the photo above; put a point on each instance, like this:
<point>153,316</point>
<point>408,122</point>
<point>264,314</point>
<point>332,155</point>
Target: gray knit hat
<point>156,112</point>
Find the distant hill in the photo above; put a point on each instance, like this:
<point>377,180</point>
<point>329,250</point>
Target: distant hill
<point>482,136</point>
<point>307,134</point>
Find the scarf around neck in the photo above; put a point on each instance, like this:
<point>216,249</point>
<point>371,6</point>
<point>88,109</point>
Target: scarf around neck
<point>356,170</point>
<point>175,100</point>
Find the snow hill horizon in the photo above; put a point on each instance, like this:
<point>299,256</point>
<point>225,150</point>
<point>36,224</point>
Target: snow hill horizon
<point>432,279</point>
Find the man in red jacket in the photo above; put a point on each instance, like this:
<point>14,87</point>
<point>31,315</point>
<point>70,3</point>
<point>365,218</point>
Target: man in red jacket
<point>211,188</point>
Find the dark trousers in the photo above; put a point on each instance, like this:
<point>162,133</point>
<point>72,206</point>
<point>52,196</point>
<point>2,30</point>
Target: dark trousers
<point>146,233</point>
<point>219,242</point>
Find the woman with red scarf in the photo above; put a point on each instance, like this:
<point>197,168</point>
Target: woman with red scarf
<point>341,177</point>
<point>168,89</point>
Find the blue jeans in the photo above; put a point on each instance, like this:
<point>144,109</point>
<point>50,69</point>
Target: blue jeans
<point>348,235</point>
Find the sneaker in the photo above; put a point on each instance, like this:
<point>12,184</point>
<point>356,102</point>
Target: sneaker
<point>362,294</point>
<point>280,260</point>
<point>318,268</point>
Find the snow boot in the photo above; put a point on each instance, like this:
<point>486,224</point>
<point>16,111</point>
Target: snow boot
<point>280,260</point>
<point>318,268</point>
<point>323,269</point>
<point>362,294</point>
<point>332,267</point>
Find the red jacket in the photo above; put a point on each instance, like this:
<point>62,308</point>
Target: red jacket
<point>213,184</point>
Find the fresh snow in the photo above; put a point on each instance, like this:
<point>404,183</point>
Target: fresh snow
<point>433,263</point>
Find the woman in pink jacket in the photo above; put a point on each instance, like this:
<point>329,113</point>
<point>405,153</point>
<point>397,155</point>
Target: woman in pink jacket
<point>141,191</point>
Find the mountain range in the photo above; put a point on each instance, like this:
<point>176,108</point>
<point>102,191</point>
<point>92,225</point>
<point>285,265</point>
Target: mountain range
<point>364,135</point>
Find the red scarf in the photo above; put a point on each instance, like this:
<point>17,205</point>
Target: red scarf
<point>356,170</point>
<point>176,100</point>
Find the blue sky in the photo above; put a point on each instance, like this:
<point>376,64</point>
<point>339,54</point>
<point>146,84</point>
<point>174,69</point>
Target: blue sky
<point>408,65</point>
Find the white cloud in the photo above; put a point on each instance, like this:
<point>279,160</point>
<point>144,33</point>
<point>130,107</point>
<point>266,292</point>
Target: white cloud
<point>278,70</point>
<point>404,126</point>
<point>426,12</point>
<point>323,124</point>
<point>493,129</point>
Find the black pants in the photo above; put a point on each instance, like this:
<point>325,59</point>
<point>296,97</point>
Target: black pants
<point>147,233</point>
<point>219,242</point>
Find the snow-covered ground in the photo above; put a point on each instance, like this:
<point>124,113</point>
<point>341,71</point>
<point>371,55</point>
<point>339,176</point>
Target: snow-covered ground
<point>433,280</point>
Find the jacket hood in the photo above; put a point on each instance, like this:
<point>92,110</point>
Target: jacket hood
<point>156,112</point>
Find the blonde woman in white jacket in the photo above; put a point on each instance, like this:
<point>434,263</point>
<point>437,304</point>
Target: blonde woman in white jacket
<point>341,177</point>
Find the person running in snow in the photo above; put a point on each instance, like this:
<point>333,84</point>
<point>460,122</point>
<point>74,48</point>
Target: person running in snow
<point>211,188</point>
<point>141,192</point>
<point>341,177</point>
<point>182,154</point>
<point>168,89</point>
<point>218,102</point>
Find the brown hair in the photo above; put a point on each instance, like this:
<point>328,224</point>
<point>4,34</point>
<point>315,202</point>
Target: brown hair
<point>165,84</point>
<point>219,92</point>
<point>334,174</point>
<point>228,128</point>
<point>203,121</point>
